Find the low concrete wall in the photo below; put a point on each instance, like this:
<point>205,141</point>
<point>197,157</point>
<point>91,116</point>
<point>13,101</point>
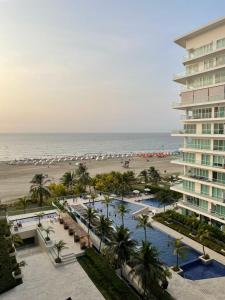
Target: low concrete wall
<point>144,210</point>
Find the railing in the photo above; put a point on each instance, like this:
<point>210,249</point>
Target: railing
<point>205,116</point>
<point>29,210</point>
<point>199,100</point>
<point>183,131</point>
<point>200,147</point>
<point>200,163</point>
<point>206,179</point>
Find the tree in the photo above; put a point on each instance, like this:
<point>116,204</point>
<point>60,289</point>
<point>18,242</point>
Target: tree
<point>121,247</point>
<point>24,202</point>
<point>203,233</point>
<point>61,245</point>
<point>68,180</point>
<point>39,189</point>
<point>91,216</point>
<point>104,228</point>
<point>39,216</point>
<point>122,210</point>
<point>48,230</point>
<point>154,175</point>
<point>82,176</point>
<point>93,197</point>
<point>148,268</point>
<point>144,223</point>
<point>144,176</point>
<point>163,197</point>
<point>179,250</point>
<point>107,200</point>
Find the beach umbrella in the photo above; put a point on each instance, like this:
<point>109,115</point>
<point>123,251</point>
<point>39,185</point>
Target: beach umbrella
<point>147,190</point>
<point>136,192</point>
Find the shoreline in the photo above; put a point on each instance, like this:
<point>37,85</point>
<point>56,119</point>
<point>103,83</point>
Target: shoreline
<point>15,179</point>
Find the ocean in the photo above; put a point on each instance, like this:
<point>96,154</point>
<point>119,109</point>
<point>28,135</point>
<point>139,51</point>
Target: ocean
<point>39,145</point>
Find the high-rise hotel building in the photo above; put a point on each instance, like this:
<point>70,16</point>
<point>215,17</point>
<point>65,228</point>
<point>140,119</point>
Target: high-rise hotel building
<point>203,105</point>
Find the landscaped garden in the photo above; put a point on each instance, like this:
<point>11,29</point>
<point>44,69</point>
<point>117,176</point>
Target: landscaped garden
<point>207,235</point>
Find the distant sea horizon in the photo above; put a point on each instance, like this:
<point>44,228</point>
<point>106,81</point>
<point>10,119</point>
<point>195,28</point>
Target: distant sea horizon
<point>40,145</point>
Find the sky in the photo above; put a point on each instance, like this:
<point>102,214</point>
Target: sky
<point>94,65</point>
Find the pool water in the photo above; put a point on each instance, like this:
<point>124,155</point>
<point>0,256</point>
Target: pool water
<point>152,202</point>
<point>197,270</point>
<point>159,239</point>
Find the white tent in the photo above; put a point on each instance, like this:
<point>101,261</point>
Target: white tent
<point>136,192</point>
<point>147,190</point>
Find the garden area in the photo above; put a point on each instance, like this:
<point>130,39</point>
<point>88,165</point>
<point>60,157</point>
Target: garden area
<point>207,235</point>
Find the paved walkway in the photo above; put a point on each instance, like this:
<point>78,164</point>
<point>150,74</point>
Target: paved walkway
<point>42,281</point>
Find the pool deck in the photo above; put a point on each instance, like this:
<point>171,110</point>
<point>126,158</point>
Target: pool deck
<point>185,289</point>
<point>42,281</point>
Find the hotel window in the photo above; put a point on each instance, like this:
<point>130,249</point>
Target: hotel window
<point>219,112</point>
<point>217,193</point>
<point>204,80</point>
<point>189,157</point>
<point>188,185</point>
<point>219,161</point>
<point>219,145</point>
<point>220,76</point>
<point>199,173</point>
<point>201,50</point>
<point>219,128</point>
<point>208,63</point>
<point>190,128</point>
<point>220,60</point>
<point>220,210</point>
<point>198,202</point>
<point>199,144</point>
<point>219,177</point>
<point>205,159</point>
<point>191,69</point>
<point>202,113</point>
<point>204,189</point>
<point>206,128</point>
<point>220,43</point>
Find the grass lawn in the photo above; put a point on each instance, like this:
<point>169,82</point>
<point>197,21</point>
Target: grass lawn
<point>105,278</point>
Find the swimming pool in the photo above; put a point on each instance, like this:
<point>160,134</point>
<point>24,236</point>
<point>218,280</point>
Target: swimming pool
<point>152,202</point>
<point>196,270</point>
<point>34,218</point>
<point>159,239</point>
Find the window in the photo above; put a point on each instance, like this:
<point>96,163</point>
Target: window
<point>204,189</point>
<point>219,177</point>
<point>220,210</point>
<point>197,202</point>
<point>208,63</point>
<point>190,128</point>
<point>191,69</point>
<point>220,43</point>
<point>199,144</point>
<point>220,60</point>
<point>199,173</point>
<point>201,50</point>
<point>188,185</point>
<point>204,80</point>
<point>218,193</point>
<point>219,128</point>
<point>189,157</point>
<point>202,113</point>
<point>206,128</point>
<point>219,145</point>
<point>220,76</point>
<point>219,112</point>
<point>205,159</point>
<point>218,161</point>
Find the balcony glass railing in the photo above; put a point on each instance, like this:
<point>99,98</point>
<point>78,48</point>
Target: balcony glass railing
<point>184,131</point>
<point>201,163</point>
<point>199,100</point>
<point>200,147</point>
<point>206,179</point>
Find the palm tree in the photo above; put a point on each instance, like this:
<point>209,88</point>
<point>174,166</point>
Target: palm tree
<point>163,197</point>
<point>121,247</point>
<point>122,210</point>
<point>48,230</point>
<point>82,175</point>
<point>104,228</point>
<point>40,216</point>
<point>144,175</point>
<point>107,200</point>
<point>67,180</point>
<point>91,216</point>
<point>24,202</point>
<point>39,189</point>
<point>149,270</point>
<point>59,247</point>
<point>144,223</point>
<point>179,250</point>
<point>202,234</point>
<point>154,175</point>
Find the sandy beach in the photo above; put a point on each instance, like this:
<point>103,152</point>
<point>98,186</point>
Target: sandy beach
<point>15,180</point>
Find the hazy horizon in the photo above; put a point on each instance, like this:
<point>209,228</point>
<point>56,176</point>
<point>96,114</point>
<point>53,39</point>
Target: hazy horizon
<point>93,66</point>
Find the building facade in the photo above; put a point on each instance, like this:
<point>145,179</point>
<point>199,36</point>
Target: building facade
<point>202,101</point>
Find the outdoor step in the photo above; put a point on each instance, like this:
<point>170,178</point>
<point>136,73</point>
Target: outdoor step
<point>68,255</point>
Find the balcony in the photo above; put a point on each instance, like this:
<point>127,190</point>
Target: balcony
<point>197,102</point>
<point>180,189</point>
<point>207,213</point>
<point>200,164</point>
<point>183,132</point>
<point>206,180</point>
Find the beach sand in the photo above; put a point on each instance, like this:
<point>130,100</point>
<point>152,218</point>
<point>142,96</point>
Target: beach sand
<point>15,179</point>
